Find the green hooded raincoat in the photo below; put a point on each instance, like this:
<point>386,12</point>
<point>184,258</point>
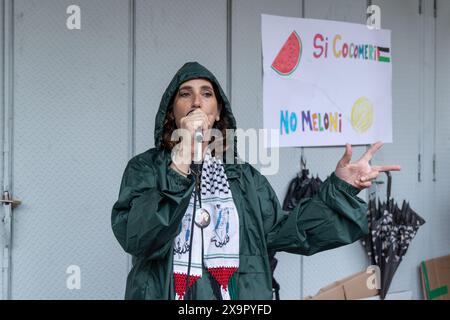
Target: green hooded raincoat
<point>153,199</point>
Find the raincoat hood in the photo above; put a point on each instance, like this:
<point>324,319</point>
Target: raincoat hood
<point>189,71</point>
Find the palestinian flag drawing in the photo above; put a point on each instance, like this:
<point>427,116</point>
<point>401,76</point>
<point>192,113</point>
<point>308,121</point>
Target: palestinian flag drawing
<point>384,54</point>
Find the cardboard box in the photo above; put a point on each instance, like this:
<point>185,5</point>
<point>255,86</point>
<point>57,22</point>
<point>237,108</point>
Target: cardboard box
<point>435,275</point>
<point>349,288</point>
<point>401,295</point>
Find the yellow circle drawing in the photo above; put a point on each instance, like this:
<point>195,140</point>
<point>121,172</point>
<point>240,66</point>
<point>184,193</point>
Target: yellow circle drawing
<point>362,115</point>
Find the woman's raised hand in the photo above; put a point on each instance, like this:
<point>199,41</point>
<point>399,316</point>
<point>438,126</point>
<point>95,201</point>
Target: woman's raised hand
<point>360,174</point>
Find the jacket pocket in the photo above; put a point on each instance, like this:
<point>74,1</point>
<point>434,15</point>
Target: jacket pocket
<point>254,281</point>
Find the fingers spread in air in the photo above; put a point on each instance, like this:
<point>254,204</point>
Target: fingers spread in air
<point>367,156</point>
<point>347,155</point>
<point>387,168</point>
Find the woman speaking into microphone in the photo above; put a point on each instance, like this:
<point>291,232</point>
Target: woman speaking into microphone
<point>202,231</point>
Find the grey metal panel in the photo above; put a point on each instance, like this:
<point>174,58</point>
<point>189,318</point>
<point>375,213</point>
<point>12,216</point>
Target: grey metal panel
<point>7,102</point>
<point>441,228</point>
<point>168,34</point>
<point>409,131</point>
<point>2,92</point>
<point>247,107</point>
<point>70,147</point>
<point>2,47</point>
<point>329,266</point>
<point>423,247</point>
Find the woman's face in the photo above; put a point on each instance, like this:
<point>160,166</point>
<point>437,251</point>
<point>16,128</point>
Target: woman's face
<point>196,94</point>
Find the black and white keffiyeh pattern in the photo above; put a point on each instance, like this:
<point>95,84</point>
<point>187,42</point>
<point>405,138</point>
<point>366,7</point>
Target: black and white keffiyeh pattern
<point>220,237</point>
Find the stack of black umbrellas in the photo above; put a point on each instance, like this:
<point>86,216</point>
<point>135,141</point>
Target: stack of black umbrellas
<point>391,230</point>
<point>301,187</point>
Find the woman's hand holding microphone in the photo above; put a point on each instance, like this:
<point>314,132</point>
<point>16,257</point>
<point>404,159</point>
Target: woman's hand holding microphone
<point>195,124</point>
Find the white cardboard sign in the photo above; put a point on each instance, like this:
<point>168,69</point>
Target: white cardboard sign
<point>326,82</point>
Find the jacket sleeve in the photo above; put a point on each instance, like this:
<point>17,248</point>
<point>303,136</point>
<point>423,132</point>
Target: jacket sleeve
<point>145,219</point>
<point>332,218</point>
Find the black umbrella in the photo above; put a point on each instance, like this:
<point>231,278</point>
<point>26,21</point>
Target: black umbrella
<point>391,232</point>
<point>301,187</point>
<point>369,246</point>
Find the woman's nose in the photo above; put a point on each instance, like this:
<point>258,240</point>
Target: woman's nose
<point>197,101</point>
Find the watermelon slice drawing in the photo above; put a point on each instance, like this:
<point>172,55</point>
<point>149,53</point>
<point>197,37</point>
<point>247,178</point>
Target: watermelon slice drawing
<point>289,56</point>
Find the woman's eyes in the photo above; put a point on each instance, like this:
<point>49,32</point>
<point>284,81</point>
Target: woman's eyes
<point>187,94</point>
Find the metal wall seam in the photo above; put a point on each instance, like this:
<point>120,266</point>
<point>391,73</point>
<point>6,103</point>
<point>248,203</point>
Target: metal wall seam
<point>8,102</point>
<point>229,48</point>
<point>428,45</point>
<point>132,79</point>
<point>8,83</point>
<point>421,92</point>
<point>434,89</point>
<point>2,92</point>
<point>131,92</point>
<point>2,133</point>
<point>302,155</point>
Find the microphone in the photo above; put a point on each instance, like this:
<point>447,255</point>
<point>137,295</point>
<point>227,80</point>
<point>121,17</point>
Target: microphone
<point>198,132</point>
<point>198,136</point>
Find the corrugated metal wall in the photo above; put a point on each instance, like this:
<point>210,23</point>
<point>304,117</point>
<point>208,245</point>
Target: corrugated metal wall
<point>85,102</point>
<point>441,226</point>
<point>408,70</point>
<point>69,144</point>
<point>2,107</point>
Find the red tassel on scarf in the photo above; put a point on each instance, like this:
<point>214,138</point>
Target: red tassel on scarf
<point>222,275</point>
<point>180,283</point>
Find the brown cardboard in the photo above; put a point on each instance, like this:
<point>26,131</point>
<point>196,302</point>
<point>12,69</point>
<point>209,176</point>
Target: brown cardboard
<point>336,293</point>
<point>435,277</point>
<point>349,288</point>
<point>356,287</point>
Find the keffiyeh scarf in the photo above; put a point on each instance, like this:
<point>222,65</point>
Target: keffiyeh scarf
<point>220,237</point>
